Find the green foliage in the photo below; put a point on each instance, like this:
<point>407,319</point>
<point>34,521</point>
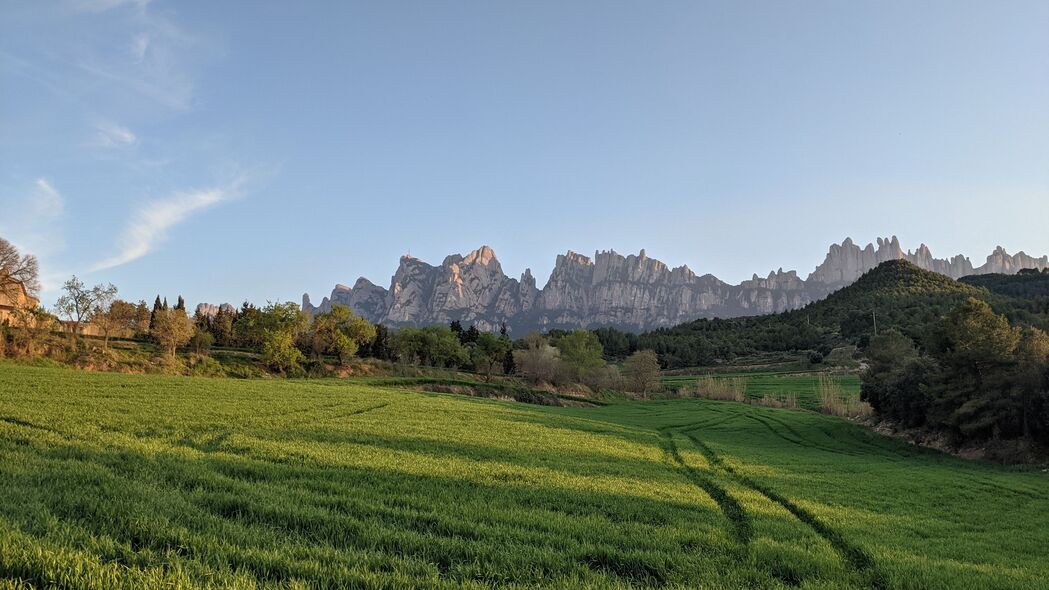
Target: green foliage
<point>977,377</point>
<point>489,353</point>
<point>895,295</point>
<point>580,350</point>
<point>616,344</point>
<point>201,341</point>
<point>340,332</point>
<point>127,482</point>
<point>280,354</point>
<point>171,328</point>
<point>433,346</point>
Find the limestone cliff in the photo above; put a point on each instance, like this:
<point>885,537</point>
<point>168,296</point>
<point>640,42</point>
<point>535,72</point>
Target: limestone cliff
<point>632,292</point>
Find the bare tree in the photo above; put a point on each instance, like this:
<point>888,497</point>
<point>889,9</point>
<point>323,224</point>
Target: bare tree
<point>16,269</point>
<point>106,315</point>
<point>642,371</point>
<point>80,303</point>
<point>539,361</point>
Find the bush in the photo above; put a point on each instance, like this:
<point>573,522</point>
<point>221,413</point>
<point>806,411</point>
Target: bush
<point>642,371</point>
<point>606,377</point>
<point>787,400</point>
<point>205,366</point>
<point>280,354</point>
<point>723,388</point>
<point>833,401</point>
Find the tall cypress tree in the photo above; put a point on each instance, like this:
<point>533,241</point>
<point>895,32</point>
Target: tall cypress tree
<point>153,314</point>
<point>181,303</point>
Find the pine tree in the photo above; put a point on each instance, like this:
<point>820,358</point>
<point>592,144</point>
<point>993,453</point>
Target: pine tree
<point>181,303</point>
<point>165,306</point>
<point>153,314</point>
<point>457,329</point>
<point>509,366</point>
<point>471,336</point>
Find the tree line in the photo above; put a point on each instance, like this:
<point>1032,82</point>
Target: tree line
<point>972,375</point>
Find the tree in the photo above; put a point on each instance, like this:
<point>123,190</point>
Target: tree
<point>488,353</point>
<point>34,324</point>
<point>16,270</point>
<point>509,367</point>
<point>153,314</point>
<point>975,347</point>
<point>580,350</point>
<point>435,346</point>
<point>380,346</point>
<point>181,303</point>
<point>80,303</point>
<point>201,340</point>
<point>340,332</point>
<point>457,329</point>
<point>279,352</point>
<point>126,316</point>
<point>100,314</point>
<point>537,361</point>
<point>172,328</point>
<point>642,371</point>
<point>140,324</point>
<point>222,326</point>
<point>1032,379</point>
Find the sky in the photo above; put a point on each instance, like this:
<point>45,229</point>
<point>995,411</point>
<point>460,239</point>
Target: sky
<point>232,151</point>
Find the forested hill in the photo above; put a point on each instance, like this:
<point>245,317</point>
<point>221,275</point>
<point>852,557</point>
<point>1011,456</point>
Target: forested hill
<point>1026,284</point>
<point>896,294</point>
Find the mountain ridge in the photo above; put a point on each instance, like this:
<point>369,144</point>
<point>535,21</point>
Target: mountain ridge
<point>632,292</point>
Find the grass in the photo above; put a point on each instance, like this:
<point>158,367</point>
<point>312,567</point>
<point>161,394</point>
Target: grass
<point>141,481</point>
<point>777,385</point>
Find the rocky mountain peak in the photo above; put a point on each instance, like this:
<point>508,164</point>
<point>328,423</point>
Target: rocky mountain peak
<point>633,292</point>
<point>483,256</point>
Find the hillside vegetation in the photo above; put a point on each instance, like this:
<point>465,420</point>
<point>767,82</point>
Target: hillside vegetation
<point>896,295</point>
<point>135,481</point>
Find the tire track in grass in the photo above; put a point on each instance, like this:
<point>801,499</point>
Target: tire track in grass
<point>356,412</point>
<point>797,438</point>
<point>855,556</point>
<point>729,506</point>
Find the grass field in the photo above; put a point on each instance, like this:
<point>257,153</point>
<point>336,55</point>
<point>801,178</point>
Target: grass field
<point>777,383</point>
<point>116,481</point>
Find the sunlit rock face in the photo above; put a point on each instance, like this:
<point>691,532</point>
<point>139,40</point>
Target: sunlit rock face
<point>632,292</point>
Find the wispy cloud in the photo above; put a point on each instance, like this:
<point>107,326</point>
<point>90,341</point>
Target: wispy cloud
<point>149,226</point>
<point>139,47</point>
<point>45,201</point>
<point>112,135</point>
<point>31,220</point>
<point>104,5</point>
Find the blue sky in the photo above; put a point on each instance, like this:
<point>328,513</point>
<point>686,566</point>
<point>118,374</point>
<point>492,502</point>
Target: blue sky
<point>256,150</point>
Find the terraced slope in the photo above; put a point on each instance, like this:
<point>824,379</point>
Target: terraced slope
<point>111,481</point>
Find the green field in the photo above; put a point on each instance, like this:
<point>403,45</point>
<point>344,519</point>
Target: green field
<point>116,481</point>
<point>761,383</point>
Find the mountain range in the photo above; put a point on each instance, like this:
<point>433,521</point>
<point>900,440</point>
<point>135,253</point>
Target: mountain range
<point>632,292</point>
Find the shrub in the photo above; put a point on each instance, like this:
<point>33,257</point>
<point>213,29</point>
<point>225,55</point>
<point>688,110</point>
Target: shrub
<point>780,400</point>
<point>280,354</point>
<point>723,388</point>
<point>205,366</point>
<point>642,371</point>
<point>833,401</point>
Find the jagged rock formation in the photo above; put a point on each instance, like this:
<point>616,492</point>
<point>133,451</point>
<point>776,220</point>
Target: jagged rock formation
<point>631,292</point>
<point>210,310</point>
